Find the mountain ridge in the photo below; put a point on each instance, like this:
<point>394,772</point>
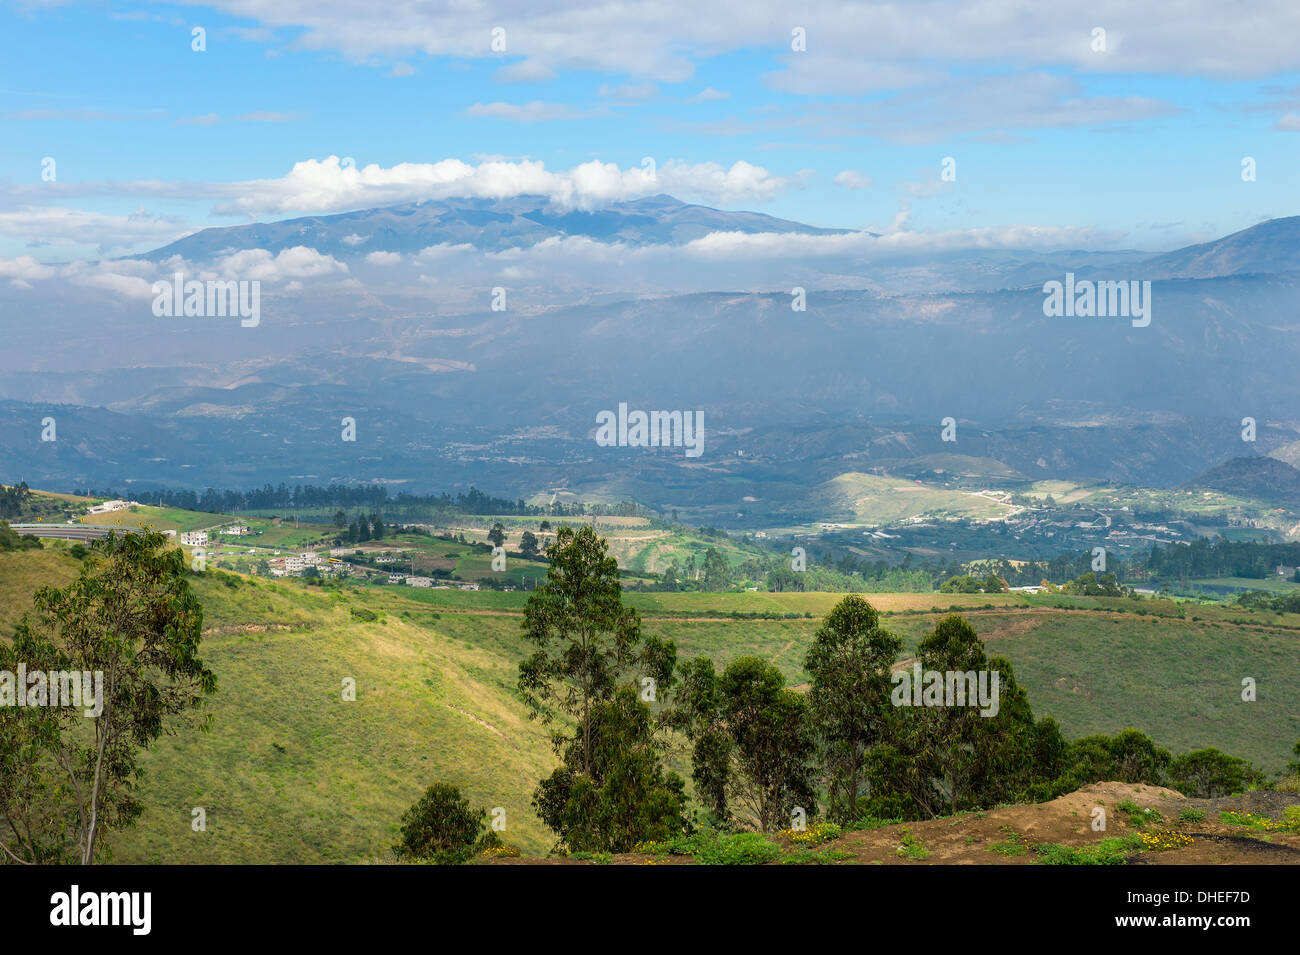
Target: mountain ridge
<point>490,224</point>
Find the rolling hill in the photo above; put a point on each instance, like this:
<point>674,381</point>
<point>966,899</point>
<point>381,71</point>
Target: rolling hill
<point>1263,478</point>
<point>291,773</point>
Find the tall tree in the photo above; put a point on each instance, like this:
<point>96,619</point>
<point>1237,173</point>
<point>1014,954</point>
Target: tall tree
<point>717,575</point>
<point>946,755</point>
<point>528,544</point>
<point>849,663</point>
<point>753,743</point>
<point>130,616</point>
<point>586,642</point>
<point>627,797</point>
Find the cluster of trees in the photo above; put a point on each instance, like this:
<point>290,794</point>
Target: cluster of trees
<point>69,780</point>
<point>529,543</point>
<point>13,498</point>
<point>369,497</point>
<point>848,573</point>
<point>1096,585</point>
<point>1265,600</point>
<point>1219,557</point>
<point>966,584</point>
<point>880,578</point>
<point>267,497</point>
<point>364,528</point>
<point>1058,570</point>
<point>617,700</point>
<point>710,572</point>
<point>10,539</point>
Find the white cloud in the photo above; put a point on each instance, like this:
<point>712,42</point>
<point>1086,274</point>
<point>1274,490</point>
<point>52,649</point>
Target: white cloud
<point>525,71</point>
<point>630,91</point>
<point>384,258</point>
<point>985,105</point>
<point>25,267</point>
<point>133,279</point>
<point>871,42</point>
<point>533,112</point>
<point>70,229</point>
<point>708,95</point>
<point>298,262</point>
<point>852,179</point>
<point>326,185</point>
<point>845,74</point>
<point>719,260</point>
<point>867,246</point>
<point>122,279</point>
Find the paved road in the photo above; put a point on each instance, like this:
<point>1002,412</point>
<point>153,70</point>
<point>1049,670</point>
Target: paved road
<point>69,532</point>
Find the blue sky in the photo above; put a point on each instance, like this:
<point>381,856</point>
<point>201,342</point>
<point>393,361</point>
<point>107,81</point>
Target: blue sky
<point>1139,146</point>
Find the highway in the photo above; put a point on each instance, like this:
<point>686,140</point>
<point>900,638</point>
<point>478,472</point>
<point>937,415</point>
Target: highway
<point>70,532</point>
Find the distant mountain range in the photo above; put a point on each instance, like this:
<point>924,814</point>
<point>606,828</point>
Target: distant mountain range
<point>494,224</point>
<point>484,223</point>
<point>448,394</point>
<point>1271,246</point>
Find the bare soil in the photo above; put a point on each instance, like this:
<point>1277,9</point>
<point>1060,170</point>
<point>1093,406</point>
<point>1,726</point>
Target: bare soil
<point>1008,835</point>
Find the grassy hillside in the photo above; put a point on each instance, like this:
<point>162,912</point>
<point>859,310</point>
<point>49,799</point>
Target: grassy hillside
<point>23,572</point>
<point>870,499</point>
<point>291,773</point>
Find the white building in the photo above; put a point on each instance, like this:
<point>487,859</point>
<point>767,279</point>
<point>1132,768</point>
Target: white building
<point>419,581</point>
<point>195,538</point>
<point>108,507</point>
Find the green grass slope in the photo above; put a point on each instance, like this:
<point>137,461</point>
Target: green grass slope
<point>289,772</point>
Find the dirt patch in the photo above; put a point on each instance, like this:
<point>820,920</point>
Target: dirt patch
<point>245,628</point>
<point>1012,835</point>
<point>776,656</point>
<point>480,721</point>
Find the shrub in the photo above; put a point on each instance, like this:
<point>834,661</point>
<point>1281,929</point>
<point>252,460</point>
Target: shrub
<point>440,828</point>
<point>743,848</point>
<point>911,847</point>
<point>1208,774</point>
<point>1139,817</point>
<point>1113,850</point>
